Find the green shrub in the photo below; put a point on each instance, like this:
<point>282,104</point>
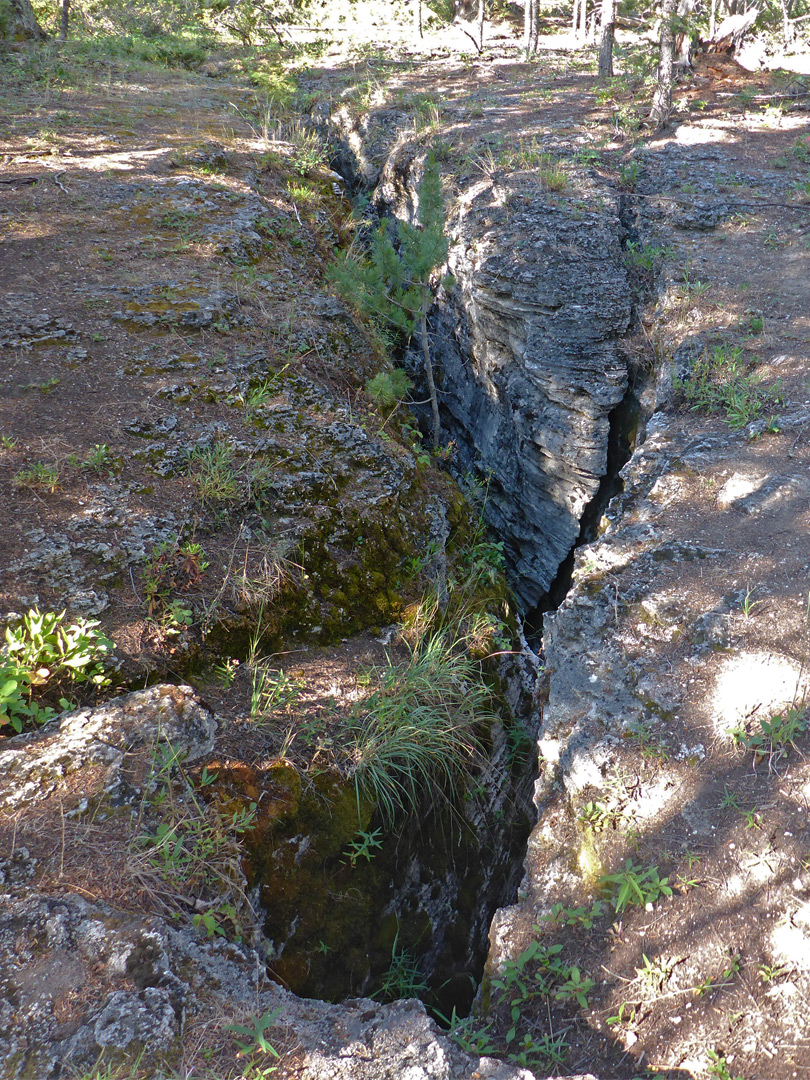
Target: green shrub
<point>43,654</point>
<point>394,285</point>
<point>386,388</point>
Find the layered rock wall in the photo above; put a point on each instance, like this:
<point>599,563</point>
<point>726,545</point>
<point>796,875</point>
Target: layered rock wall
<point>527,344</point>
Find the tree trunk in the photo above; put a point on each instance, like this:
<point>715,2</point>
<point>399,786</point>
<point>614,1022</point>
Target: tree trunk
<point>481,14</point>
<point>606,39</point>
<point>19,23</point>
<point>662,102</point>
<point>787,28</point>
<point>574,17</point>
<point>583,20</point>
<point>418,16</point>
<point>527,28</point>
<point>713,20</point>
<point>434,401</point>
<point>63,28</point>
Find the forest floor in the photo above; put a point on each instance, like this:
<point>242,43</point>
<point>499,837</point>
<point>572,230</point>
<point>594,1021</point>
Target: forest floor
<point>165,237</point>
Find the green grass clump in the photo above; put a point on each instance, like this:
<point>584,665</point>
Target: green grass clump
<point>215,472</point>
<point>417,732</point>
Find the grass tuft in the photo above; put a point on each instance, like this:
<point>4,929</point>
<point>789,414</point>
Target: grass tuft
<point>417,731</point>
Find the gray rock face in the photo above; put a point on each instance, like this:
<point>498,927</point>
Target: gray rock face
<point>79,978</point>
<point>526,346</point>
<point>32,766</point>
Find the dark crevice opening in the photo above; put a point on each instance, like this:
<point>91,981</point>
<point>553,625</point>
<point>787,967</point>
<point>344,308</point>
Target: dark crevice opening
<point>624,422</point>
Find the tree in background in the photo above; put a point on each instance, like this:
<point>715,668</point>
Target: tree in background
<point>18,22</point>
<point>662,101</point>
<point>393,286</point>
<point>606,39</point>
<point>579,19</point>
<point>530,27</point>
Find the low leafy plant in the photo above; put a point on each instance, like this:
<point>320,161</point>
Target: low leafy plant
<point>43,654</point>
<point>597,816</point>
<point>651,745</point>
<point>99,460</point>
<point>654,973</point>
<point>174,565</point>
<point>254,1034</point>
<point>39,476</point>
<point>580,916</point>
<point>182,847</point>
<point>769,973</point>
<point>726,976</point>
<point>629,174</point>
<point>215,920</point>
<point>364,847</point>
<point>515,988</point>
<point>470,1034</point>
<point>776,736</point>
<point>718,1067</point>
<point>644,256</point>
<point>190,848</point>
<point>634,885</point>
<point>624,1017</point>
<point>730,799</point>
<point>720,382</point>
<point>176,618</point>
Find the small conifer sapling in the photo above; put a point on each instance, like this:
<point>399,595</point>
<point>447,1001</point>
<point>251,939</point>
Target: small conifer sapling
<point>393,284</point>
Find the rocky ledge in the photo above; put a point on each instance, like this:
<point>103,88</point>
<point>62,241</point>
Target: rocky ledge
<point>82,977</point>
<point>672,751</point>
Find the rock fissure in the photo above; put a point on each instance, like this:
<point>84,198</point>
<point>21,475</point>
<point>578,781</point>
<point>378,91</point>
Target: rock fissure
<point>538,398</point>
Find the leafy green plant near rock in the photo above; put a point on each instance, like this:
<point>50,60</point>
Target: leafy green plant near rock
<point>175,565</point>
<point>38,476</point>
<point>777,734</point>
<point>538,974</point>
<point>190,847</point>
<point>634,884</point>
<point>44,657</point>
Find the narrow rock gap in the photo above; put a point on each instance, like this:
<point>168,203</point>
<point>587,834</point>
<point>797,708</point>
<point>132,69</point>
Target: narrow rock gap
<point>624,422</point>
<point>451,876</point>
